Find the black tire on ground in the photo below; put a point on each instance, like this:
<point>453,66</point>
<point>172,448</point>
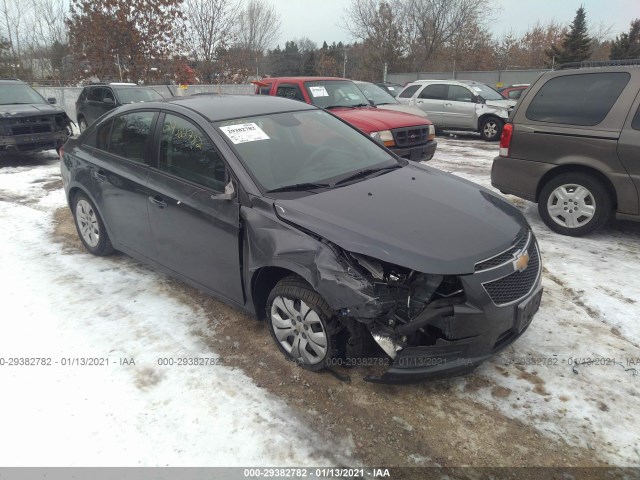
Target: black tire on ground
<point>82,124</point>
<point>597,198</point>
<point>90,227</point>
<point>491,129</point>
<point>294,288</point>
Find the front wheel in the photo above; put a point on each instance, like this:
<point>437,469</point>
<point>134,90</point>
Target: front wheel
<point>303,325</point>
<point>491,129</point>
<point>90,227</point>
<point>575,204</point>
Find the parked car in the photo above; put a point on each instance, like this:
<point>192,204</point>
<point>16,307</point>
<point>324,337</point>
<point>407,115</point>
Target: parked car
<point>28,122</point>
<point>460,105</point>
<point>513,92</point>
<point>97,99</point>
<point>335,245</point>
<point>391,88</point>
<point>378,97</point>
<point>405,135</point>
<point>572,146</point>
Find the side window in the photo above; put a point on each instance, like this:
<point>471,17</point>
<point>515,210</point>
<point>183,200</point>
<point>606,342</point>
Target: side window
<point>459,94</point>
<point>264,90</point>
<point>409,91</point>
<point>187,152</point>
<point>129,135</point>
<point>289,91</point>
<point>95,94</point>
<point>434,92</point>
<point>99,137</point>
<point>515,94</point>
<point>107,93</point>
<point>580,99</point>
<point>635,123</point>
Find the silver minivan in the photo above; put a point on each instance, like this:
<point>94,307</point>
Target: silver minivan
<point>460,105</point>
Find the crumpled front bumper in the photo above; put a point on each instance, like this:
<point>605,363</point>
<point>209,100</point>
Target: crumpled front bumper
<point>497,328</point>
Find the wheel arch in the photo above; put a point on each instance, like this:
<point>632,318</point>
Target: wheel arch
<point>79,188</point>
<point>485,116</point>
<point>577,168</point>
<point>263,281</point>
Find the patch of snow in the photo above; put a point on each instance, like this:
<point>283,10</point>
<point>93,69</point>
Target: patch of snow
<point>590,310</point>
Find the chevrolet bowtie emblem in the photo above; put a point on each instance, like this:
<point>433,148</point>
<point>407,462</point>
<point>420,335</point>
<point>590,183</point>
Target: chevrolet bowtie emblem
<point>521,262</point>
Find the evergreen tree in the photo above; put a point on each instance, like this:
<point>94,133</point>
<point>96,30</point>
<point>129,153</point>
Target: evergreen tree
<point>576,44</point>
<point>627,45</point>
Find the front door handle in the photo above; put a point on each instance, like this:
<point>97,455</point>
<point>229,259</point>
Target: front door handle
<point>447,104</point>
<point>99,175</point>
<point>158,201</point>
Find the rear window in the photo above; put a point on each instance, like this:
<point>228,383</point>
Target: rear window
<point>435,92</point>
<point>582,99</point>
<point>409,91</point>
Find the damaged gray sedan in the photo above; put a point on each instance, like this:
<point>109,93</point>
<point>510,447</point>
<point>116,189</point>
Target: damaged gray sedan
<point>285,211</point>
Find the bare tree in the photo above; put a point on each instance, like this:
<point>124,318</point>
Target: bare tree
<point>258,27</point>
<point>433,24</point>
<point>45,36</point>
<point>379,26</point>
<point>11,19</point>
<point>209,29</point>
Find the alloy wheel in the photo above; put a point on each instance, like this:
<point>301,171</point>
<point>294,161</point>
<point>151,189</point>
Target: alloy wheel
<point>87,223</point>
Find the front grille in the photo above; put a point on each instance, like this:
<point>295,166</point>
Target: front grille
<point>517,284</point>
<point>406,137</point>
<point>506,256</point>
<point>31,129</point>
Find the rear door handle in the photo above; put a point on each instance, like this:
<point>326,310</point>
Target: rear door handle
<point>99,175</point>
<point>158,201</point>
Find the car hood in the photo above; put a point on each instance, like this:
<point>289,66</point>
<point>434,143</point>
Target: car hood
<point>27,110</point>
<point>501,103</point>
<point>398,107</point>
<point>369,119</point>
<point>416,217</point>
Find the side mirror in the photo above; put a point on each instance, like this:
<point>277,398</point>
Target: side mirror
<point>229,193</point>
<point>52,100</point>
<point>108,101</point>
<point>371,102</point>
<point>481,100</point>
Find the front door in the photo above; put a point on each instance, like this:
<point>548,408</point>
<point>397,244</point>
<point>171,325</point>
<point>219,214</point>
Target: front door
<point>195,228</point>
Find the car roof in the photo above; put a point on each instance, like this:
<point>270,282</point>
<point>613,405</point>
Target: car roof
<point>302,79</point>
<point>221,107</point>
<point>450,81</point>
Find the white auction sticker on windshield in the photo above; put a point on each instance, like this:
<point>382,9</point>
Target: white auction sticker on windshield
<point>319,91</point>
<point>477,89</point>
<point>245,132</point>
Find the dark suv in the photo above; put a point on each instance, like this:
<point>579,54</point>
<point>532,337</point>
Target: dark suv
<point>28,122</point>
<point>97,99</point>
<point>572,145</point>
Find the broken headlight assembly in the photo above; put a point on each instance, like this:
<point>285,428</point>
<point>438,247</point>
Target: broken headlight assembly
<point>412,305</point>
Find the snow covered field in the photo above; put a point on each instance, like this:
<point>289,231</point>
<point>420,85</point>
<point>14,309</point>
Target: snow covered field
<point>61,304</point>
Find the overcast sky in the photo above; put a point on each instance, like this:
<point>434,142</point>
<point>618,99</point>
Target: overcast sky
<point>319,19</point>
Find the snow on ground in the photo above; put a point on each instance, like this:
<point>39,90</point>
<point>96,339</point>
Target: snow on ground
<point>65,306</point>
<point>590,310</point>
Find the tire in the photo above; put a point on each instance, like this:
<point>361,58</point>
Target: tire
<point>575,204</point>
<point>491,129</point>
<point>90,227</point>
<point>295,311</point>
<point>82,124</point>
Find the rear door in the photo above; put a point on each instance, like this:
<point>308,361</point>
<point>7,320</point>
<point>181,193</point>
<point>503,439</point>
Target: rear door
<point>459,108</point>
<point>120,149</point>
<point>431,99</point>
<point>195,229</point>
<point>628,148</point>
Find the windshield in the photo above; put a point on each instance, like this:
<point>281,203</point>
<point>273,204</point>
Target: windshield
<point>304,147</point>
<point>134,95</point>
<point>486,92</point>
<point>376,94</point>
<point>335,93</point>
<point>17,93</point>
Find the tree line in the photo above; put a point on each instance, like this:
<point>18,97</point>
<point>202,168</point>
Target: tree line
<point>233,41</point>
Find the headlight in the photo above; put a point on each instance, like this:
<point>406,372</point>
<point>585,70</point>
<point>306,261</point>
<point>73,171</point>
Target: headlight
<point>384,136</point>
<point>432,132</point>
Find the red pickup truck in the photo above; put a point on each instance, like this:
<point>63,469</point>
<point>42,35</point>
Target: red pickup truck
<point>408,136</point>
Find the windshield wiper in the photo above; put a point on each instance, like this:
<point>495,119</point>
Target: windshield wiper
<point>299,187</point>
<point>365,173</point>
